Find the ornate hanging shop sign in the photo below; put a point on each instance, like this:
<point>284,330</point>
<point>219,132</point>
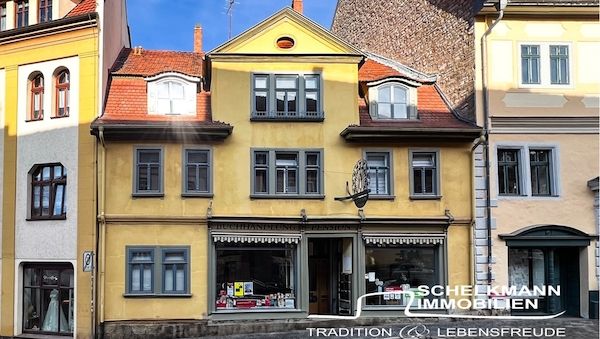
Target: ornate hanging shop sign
<point>360,185</point>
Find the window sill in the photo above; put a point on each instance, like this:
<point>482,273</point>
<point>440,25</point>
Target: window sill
<point>57,117</point>
<point>528,197</point>
<point>196,195</point>
<point>319,118</point>
<point>156,295</point>
<point>32,120</point>
<point>287,196</point>
<point>148,195</point>
<point>425,197</point>
<point>47,219</point>
<point>381,197</point>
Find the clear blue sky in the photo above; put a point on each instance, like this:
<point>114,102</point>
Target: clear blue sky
<point>169,24</point>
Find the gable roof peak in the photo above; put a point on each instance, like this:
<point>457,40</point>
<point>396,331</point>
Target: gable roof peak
<point>290,13</point>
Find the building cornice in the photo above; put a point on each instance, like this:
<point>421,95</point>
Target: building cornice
<point>379,133</point>
<point>49,28</point>
<point>545,125</point>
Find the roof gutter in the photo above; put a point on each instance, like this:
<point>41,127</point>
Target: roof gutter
<point>500,6</point>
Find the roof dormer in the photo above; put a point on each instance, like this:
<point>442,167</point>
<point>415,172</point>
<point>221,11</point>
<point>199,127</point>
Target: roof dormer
<point>172,93</point>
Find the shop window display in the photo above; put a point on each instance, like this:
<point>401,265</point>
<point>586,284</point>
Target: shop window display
<point>48,299</point>
<point>405,268</point>
<point>255,276</point>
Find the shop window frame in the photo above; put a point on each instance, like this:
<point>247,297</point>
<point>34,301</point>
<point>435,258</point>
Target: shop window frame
<point>441,266</point>
<point>298,279</point>
<point>60,266</point>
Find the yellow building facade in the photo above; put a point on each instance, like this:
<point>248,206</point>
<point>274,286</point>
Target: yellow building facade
<point>232,203</point>
<point>50,91</point>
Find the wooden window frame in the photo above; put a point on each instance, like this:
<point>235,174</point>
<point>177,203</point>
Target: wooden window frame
<point>32,92</point>
<point>58,87</point>
<point>301,169</point>
<point>148,193</point>
<point>44,7</point>
<point>51,183</point>
<point>3,16</point>
<point>503,166</point>
<point>389,171</point>
<point>24,10</point>
<point>435,180</point>
<point>208,165</point>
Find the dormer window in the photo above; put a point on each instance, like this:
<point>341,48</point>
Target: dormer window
<point>172,94</point>
<point>171,98</point>
<point>45,13</point>
<point>390,101</point>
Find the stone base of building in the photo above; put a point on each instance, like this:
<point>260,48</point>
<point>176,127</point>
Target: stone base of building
<point>162,329</point>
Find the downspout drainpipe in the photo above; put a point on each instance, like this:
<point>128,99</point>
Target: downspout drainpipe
<point>500,6</point>
<point>102,225</point>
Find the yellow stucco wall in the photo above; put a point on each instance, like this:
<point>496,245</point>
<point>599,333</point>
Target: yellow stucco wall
<point>231,86</point>
<point>118,236</point>
<point>82,43</point>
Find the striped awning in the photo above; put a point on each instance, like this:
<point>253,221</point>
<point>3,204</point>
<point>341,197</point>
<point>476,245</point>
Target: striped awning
<point>257,238</point>
<point>404,238</point>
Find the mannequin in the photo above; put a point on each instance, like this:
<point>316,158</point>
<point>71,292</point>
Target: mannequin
<point>53,313</point>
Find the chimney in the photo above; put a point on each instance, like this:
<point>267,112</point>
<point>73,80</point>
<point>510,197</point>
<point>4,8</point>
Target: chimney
<point>297,6</point>
<point>198,39</point>
<point>137,50</point>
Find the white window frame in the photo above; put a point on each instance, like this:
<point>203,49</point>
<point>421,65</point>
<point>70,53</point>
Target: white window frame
<point>411,98</point>
<point>525,170</point>
<point>190,88</point>
<point>545,64</point>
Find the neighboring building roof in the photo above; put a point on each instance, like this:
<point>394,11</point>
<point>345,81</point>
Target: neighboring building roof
<point>434,114</point>
<point>149,62</point>
<point>84,7</point>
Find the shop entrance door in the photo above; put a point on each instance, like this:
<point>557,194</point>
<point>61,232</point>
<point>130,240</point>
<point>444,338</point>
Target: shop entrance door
<point>330,275</point>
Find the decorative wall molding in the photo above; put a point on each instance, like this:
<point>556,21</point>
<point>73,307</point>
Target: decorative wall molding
<point>546,125</point>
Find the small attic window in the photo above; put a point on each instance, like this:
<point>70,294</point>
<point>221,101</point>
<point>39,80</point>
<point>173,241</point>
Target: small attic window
<point>285,42</point>
<point>392,100</point>
<point>172,94</point>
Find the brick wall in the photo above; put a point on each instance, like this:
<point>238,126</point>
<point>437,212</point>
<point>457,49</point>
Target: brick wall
<point>434,36</point>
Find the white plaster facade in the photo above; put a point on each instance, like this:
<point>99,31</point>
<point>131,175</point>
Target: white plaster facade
<point>47,141</point>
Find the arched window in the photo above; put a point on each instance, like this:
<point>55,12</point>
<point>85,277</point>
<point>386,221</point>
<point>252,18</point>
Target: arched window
<point>392,102</point>
<point>48,191</point>
<point>63,86</point>
<point>36,104</point>
<point>171,97</point>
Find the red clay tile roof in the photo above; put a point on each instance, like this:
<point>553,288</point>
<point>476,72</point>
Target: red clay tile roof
<point>84,7</point>
<point>150,63</point>
<point>432,110</point>
<point>127,101</point>
<point>372,70</point>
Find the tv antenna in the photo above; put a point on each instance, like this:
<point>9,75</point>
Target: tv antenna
<point>229,7</point>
